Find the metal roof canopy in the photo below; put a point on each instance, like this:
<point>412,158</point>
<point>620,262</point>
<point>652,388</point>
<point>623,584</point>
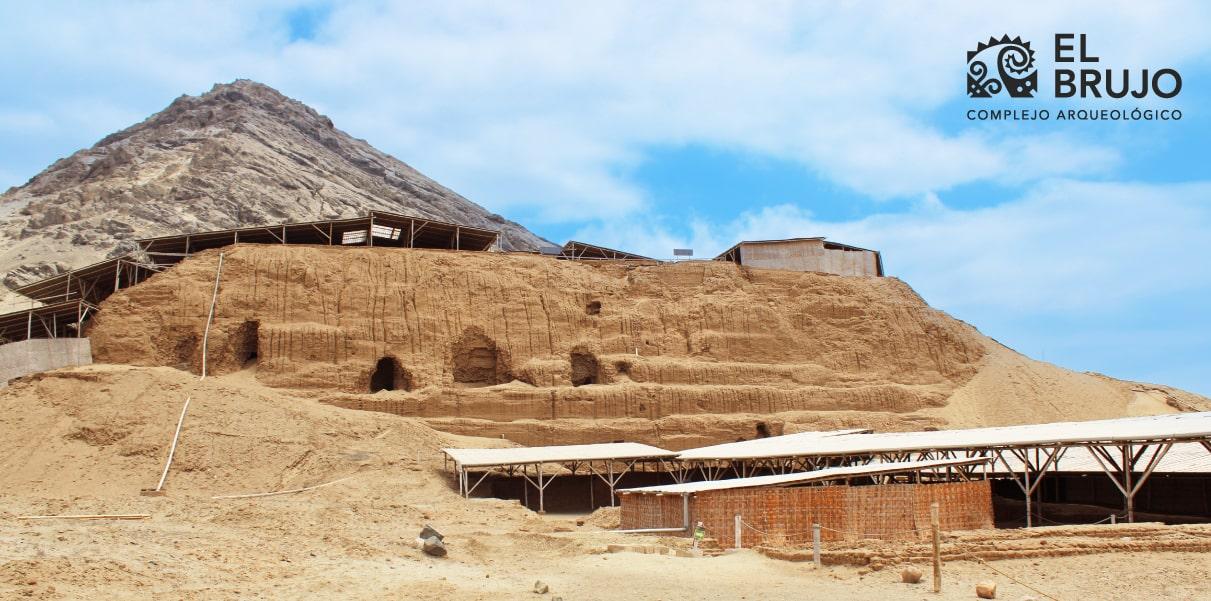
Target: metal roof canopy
<point>377,228</point>
<point>1156,428</point>
<point>583,250</point>
<point>92,283</point>
<point>53,320</point>
<point>761,447</point>
<point>556,454</point>
<point>822,475</point>
<point>1127,450</point>
<point>1182,458</point>
<point>518,461</point>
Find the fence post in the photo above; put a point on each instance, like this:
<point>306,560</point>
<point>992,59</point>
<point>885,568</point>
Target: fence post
<point>935,525</point>
<point>1113,519</point>
<point>737,531</point>
<point>816,544</point>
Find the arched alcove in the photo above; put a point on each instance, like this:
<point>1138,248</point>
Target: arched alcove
<point>477,361</point>
<point>584,368</point>
<point>390,375</point>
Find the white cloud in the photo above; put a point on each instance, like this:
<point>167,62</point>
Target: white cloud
<point>1067,246</point>
<point>537,109</point>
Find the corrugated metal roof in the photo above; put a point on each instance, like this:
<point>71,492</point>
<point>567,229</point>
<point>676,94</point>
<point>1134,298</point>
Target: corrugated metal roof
<point>556,454</point>
<point>832,473</point>
<point>762,446</point>
<point>1179,426</point>
<point>1182,458</point>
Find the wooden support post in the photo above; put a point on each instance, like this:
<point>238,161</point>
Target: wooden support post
<point>610,471</point>
<point>737,531</point>
<point>685,512</point>
<point>541,506</point>
<point>936,526</point>
<point>816,545</point>
<point>1029,489</point>
<point>1128,464</point>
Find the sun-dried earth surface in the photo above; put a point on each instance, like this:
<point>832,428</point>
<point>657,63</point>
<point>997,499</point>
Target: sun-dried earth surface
<point>86,440</point>
<point>542,351</point>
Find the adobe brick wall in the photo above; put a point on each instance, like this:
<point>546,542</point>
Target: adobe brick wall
<point>784,516</point>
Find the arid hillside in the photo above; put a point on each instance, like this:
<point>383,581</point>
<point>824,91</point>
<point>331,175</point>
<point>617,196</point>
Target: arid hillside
<point>85,440</point>
<point>542,351</point>
<point>240,155</point>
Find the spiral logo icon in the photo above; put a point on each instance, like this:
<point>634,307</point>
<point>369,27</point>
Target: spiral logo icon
<point>1002,65</point>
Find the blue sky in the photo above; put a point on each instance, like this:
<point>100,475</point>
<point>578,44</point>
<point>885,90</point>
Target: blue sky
<point>649,126</point>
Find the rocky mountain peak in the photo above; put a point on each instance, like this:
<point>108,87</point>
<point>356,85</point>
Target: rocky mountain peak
<point>240,154</point>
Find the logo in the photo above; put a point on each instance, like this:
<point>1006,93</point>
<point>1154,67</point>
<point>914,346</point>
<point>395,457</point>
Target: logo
<point>1016,72</point>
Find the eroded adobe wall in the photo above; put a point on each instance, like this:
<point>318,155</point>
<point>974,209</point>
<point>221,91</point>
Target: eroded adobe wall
<point>502,337</point>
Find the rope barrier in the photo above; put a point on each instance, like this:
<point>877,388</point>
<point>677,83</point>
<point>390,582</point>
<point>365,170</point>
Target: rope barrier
<point>808,533</point>
<point>1009,576</point>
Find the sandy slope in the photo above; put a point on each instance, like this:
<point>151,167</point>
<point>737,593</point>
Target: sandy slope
<point>86,440</point>
<point>1010,388</point>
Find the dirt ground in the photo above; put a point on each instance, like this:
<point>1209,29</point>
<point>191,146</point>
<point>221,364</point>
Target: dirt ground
<point>86,440</point>
<point>246,550</point>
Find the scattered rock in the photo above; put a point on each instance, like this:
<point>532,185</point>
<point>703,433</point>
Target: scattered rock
<point>541,587</point>
<point>428,532</point>
<point>910,575</point>
<point>434,546</point>
<point>986,590</point>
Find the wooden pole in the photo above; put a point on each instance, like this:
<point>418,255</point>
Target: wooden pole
<point>541,507</point>
<point>1029,491</point>
<point>172,450</point>
<point>118,516</point>
<point>210,317</point>
<point>935,525</point>
<point>1128,461</point>
<point>610,471</point>
<point>816,545</point>
<point>685,512</point>
<point>737,531</point>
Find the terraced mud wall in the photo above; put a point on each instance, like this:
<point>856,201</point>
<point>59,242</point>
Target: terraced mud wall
<point>496,338</point>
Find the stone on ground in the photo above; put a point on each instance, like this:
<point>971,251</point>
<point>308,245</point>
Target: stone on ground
<point>434,546</point>
<point>986,590</point>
